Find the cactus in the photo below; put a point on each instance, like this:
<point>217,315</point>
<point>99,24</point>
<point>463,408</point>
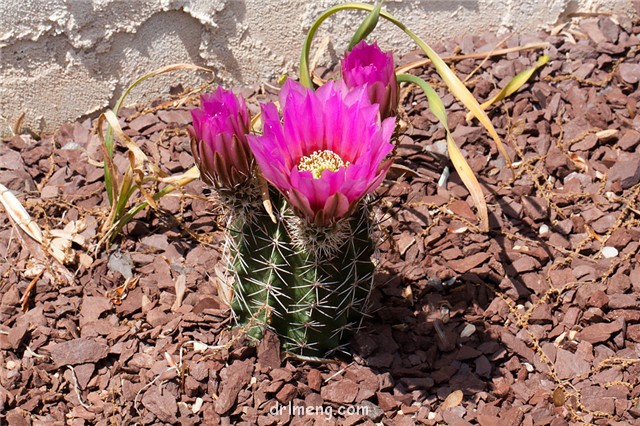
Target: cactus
<point>305,269</point>
<point>311,293</point>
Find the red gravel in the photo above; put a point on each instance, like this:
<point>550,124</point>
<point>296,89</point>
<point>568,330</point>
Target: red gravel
<point>536,322</point>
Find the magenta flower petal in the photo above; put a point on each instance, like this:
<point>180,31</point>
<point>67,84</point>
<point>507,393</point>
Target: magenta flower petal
<point>367,65</point>
<point>219,139</point>
<point>327,152</point>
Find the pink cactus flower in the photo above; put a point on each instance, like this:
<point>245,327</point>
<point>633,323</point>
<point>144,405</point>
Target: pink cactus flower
<point>367,65</point>
<point>327,153</point>
<point>219,139</point>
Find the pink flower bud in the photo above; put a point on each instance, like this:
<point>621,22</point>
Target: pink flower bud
<point>219,139</point>
<point>367,65</point>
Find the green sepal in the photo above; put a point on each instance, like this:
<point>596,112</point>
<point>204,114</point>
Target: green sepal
<point>367,26</point>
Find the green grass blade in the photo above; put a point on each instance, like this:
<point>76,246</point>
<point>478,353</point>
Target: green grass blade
<point>516,83</point>
<point>457,88</point>
<point>109,138</point>
<point>189,176</point>
<point>367,26</point>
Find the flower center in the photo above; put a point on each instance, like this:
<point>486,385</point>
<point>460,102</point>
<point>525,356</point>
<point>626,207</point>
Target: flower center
<point>320,161</point>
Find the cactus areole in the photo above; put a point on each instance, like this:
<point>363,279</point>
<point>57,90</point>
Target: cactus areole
<point>304,271</point>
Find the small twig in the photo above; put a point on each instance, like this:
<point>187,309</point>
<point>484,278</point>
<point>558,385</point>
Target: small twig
<point>17,125</point>
<point>337,373</point>
<point>486,58</point>
<point>499,52</point>
<point>76,388</point>
<point>24,300</point>
<point>32,353</point>
<point>148,385</point>
<point>305,358</point>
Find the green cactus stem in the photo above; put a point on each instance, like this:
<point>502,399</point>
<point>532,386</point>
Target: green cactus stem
<point>308,284</point>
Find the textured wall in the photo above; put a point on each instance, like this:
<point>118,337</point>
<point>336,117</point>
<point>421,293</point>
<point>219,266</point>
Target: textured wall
<point>63,59</point>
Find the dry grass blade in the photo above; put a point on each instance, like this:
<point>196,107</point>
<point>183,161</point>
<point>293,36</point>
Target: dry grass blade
<point>168,68</point>
<point>457,88</point>
<point>460,91</point>
<point>19,214</point>
<point>110,169</point>
<point>139,157</point>
<point>108,139</point>
<point>470,181</point>
<point>483,55</point>
<point>180,180</point>
<point>139,167</point>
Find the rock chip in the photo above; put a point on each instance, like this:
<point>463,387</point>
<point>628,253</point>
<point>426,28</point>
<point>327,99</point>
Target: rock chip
<point>314,379</point>
<point>234,378</point>
<point>343,391</point>
<point>626,172</point>
<point>78,351</point>
<point>269,350</point>
<point>600,332</point>
<point>629,140</point>
<point>569,365</point>
<point>162,404</point>
<point>630,73</point>
<point>468,263</point>
<point>535,207</point>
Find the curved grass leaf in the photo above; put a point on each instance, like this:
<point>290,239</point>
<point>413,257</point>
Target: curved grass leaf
<point>516,83</point>
<point>108,140</point>
<point>459,162</point>
<point>367,26</point>
<point>457,88</point>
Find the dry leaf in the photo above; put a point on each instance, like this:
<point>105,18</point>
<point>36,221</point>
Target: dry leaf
<point>606,134</point>
<point>453,400</point>
<point>580,163</point>
<point>460,230</point>
<point>559,396</point>
<point>118,294</point>
<point>181,287</point>
<point>512,86</point>
<point>407,293</point>
<point>19,215</point>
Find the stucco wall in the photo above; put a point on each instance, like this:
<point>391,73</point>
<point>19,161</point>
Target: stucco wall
<point>63,59</point>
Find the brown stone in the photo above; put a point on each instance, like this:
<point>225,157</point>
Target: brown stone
<point>468,263</point>
<point>597,333</point>
<point>569,365</point>
<point>314,379</point>
<point>78,351</point>
<point>343,391</point>
<point>234,378</point>
<point>626,172</point>
<point>287,393</point>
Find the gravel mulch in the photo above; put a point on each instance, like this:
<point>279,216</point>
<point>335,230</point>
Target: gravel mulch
<point>536,322</point>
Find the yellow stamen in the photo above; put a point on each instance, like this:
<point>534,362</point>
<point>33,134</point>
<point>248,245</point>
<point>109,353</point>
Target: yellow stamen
<point>320,161</point>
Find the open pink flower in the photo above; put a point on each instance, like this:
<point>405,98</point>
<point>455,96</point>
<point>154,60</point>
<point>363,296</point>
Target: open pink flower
<point>367,65</point>
<point>328,152</point>
<point>219,139</point>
